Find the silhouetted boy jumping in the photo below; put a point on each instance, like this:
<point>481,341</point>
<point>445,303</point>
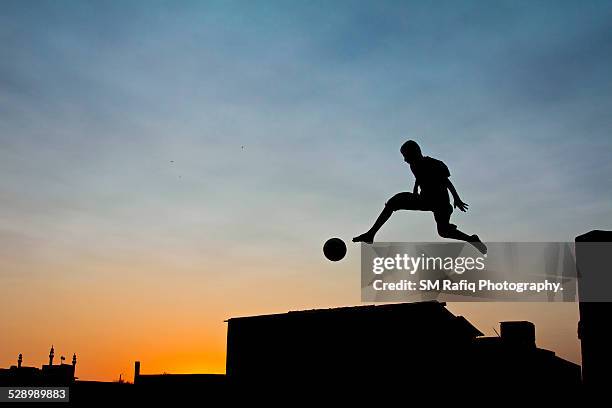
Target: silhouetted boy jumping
<point>432,178</point>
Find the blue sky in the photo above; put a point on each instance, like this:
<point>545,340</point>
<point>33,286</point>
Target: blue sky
<point>122,126</point>
<point>96,99</point>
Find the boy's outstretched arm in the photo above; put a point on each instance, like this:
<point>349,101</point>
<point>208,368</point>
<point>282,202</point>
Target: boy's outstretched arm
<point>457,201</point>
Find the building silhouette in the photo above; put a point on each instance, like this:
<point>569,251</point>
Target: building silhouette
<point>390,346</point>
<point>592,258</point>
<point>208,382</point>
<point>49,374</point>
<point>408,343</point>
<point>512,358</point>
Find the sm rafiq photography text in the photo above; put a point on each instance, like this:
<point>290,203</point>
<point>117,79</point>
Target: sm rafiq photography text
<point>483,285</point>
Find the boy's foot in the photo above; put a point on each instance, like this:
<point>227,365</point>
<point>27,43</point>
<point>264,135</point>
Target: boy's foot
<point>478,244</point>
<point>366,238</point>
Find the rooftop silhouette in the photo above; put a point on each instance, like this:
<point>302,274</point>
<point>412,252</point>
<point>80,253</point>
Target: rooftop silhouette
<point>49,374</point>
<point>347,348</point>
<point>407,343</point>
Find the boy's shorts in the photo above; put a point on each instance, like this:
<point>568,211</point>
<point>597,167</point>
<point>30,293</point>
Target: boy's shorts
<point>442,210</point>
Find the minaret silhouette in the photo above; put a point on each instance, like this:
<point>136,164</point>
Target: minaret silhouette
<point>74,359</point>
<point>51,355</point>
<point>19,360</point>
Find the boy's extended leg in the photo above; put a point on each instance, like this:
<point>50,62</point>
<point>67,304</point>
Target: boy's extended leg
<point>400,201</point>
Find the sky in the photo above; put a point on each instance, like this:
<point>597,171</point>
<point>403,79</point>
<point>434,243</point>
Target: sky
<point>165,166</point>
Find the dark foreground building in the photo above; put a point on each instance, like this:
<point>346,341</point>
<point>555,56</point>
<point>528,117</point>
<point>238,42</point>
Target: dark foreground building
<point>342,352</point>
<point>592,257</point>
<point>48,375</point>
<point>410,344</point>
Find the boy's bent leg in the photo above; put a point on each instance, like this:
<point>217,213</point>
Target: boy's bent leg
<point>400,201</point>
<point>448,230</point>
<point>451,231</point>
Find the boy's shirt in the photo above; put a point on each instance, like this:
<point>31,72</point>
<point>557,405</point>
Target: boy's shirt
<point>432,175</point>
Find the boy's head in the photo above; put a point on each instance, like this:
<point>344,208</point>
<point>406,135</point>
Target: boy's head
<point>411,151</point>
